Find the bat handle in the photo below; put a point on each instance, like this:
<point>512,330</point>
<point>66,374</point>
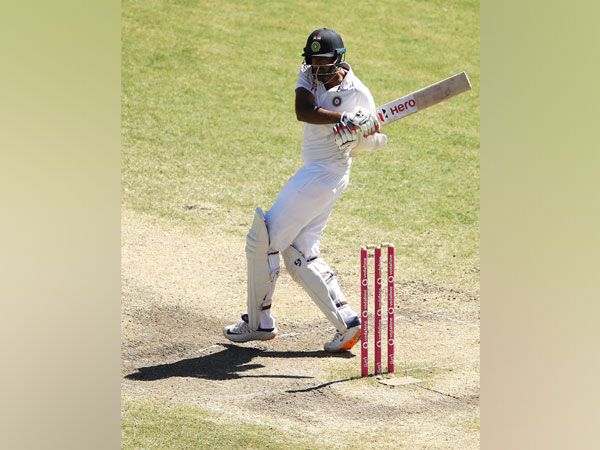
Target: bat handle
<point>372,144</point>
<point>379,141</point>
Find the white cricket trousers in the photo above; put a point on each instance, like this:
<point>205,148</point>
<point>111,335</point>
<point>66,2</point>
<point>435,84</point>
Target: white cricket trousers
<point>302,208</point>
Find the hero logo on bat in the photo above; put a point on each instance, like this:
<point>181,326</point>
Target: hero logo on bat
<point>401,108</point>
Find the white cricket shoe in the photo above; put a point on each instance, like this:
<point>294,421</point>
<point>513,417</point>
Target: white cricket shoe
<point>241,332</point>
<point>346,339</point>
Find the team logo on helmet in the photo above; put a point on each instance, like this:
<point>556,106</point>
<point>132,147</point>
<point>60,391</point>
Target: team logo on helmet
<point>337,101</point>
<point>315,46</point>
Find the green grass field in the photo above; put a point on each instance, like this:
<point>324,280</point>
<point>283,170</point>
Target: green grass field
<point>160,424</point>
<point>208,123</point>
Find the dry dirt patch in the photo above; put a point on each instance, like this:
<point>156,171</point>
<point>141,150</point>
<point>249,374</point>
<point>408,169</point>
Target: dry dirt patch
<point>180,288</point>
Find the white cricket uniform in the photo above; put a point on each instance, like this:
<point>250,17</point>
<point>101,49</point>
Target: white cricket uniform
<point>302,208</point>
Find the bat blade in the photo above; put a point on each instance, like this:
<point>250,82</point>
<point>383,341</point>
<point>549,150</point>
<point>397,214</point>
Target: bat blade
<point>423,98</point>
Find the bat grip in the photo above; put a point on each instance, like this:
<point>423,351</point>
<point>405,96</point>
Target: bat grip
<point>372,144</point>
<point>379,141</point>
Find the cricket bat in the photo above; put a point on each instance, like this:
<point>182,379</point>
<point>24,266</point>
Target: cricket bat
<point>423,98</point>
<point>412,103</point>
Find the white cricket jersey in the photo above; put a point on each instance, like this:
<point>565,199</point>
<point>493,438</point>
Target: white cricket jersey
<point>318,142</point>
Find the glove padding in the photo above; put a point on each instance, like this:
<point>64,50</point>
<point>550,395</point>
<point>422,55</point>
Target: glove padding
<point>363,119</point>
<point>346,136</point>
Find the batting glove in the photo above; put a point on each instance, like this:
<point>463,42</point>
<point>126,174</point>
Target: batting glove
<point>346,136</point>
<point>363,119</point>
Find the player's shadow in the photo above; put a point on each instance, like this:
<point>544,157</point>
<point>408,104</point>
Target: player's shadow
<point>226,364</point>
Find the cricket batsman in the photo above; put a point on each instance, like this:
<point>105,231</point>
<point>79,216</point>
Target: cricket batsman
<point>339,115</point>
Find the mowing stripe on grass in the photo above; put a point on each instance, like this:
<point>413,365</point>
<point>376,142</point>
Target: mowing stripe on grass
<point>232,414</point>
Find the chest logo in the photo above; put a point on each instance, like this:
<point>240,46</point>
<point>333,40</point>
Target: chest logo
<point>337,101</point>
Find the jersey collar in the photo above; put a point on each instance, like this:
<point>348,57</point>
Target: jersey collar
<point>347,82</point>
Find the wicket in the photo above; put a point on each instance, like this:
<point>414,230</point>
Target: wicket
<point>364,313</point>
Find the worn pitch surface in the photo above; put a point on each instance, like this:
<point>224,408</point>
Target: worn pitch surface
<point>179,289</point>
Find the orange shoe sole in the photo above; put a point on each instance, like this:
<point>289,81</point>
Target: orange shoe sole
<point>268,339</point>
<point>348,345</point>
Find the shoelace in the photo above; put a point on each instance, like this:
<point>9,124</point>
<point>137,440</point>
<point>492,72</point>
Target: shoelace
<point>338,336</point>
<point>241,327</point>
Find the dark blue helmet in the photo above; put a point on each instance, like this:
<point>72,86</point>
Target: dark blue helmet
<point>324,42</point>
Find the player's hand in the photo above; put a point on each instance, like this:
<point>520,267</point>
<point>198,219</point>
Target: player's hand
<point>363,119</point>
<point>346,136</point>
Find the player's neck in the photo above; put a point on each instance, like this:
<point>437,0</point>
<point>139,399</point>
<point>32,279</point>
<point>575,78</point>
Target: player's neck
<point>335,80</point>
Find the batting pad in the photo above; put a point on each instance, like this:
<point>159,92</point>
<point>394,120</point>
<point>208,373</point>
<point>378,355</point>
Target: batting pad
<point>319,282</point>
<point>263,269</point>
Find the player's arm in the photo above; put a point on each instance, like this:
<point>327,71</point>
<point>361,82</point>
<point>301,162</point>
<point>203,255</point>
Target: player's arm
<point>308,111</point>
